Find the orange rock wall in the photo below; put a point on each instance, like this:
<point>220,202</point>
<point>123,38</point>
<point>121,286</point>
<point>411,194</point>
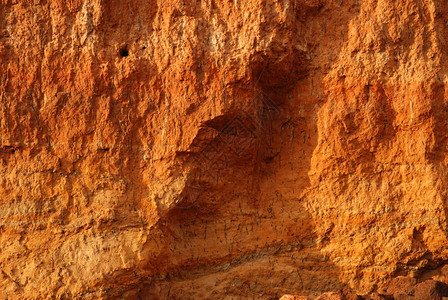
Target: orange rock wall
<point>213,149</point>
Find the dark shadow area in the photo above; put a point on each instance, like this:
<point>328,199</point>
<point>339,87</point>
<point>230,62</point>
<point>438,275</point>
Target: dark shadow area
<point>124,52</point>
<point>242,228</point>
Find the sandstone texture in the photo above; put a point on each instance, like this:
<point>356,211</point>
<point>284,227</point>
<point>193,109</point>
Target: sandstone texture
<point>212,149</point>
<point>399,288</point>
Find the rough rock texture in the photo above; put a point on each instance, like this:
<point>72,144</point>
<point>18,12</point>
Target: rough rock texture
<point>399,288</point>
<point>213,149</point>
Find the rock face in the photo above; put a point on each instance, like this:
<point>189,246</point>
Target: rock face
<point>213,149</point>
<point>399,288</point>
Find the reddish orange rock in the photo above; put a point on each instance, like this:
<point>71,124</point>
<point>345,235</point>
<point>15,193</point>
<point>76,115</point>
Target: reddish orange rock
<point>293,297</point>
<point>221,149</point>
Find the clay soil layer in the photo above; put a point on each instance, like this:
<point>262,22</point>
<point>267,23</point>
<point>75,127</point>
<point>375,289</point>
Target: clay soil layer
<point>212,149</point>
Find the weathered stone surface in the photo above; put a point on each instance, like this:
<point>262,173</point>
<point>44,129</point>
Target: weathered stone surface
<point>344,294</point>
<point>213,149</point>
<point>292,297</point>
<point>399,285</point>
<point>431,290</point>
<point>400,288</point>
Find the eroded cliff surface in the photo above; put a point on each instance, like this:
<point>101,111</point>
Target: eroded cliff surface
<point>210,149</point>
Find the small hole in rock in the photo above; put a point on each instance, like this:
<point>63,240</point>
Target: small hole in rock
<point>105,149</point>
<point>144,48</point>
<point>124,52</point>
